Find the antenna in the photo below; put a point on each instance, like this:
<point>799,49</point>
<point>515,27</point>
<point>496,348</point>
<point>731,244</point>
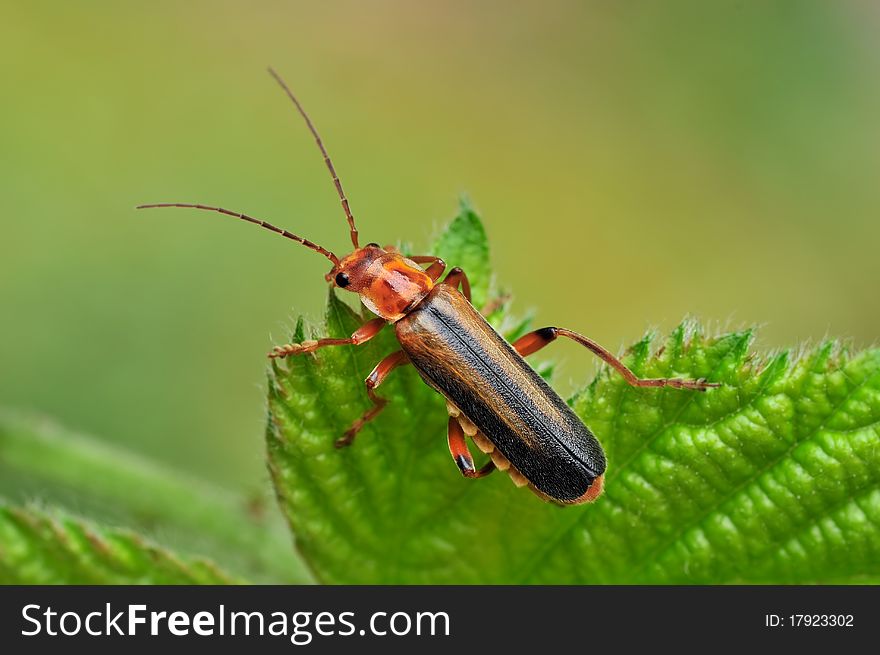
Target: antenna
<point>336,182</point>
<point>250,219</point>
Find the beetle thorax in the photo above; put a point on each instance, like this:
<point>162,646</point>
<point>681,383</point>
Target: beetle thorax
<point>388,283</point>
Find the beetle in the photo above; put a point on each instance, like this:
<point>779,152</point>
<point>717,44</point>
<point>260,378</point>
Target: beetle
<point>493,396</point>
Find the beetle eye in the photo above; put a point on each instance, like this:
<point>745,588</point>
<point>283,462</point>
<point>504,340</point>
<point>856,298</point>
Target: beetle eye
<point>342,280</point>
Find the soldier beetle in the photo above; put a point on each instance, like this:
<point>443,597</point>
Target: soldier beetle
<point>493,396</point>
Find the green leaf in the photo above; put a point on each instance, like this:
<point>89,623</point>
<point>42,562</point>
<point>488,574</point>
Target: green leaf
<point>772,478</point>
<point>37,547</point>
<point>43,461</point>
<point>464,244</point>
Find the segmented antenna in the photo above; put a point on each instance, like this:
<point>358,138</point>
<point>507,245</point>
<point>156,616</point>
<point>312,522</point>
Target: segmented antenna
<point>336,182</point>
<point>250,219</point>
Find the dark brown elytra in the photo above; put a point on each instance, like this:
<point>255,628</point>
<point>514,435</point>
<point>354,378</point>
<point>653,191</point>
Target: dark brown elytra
<point>493,396</point>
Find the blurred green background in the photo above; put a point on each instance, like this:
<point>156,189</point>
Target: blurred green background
<point>634,163</point>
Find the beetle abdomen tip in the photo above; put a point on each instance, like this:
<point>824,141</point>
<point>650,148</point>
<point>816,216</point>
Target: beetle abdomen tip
<point>592,493</point>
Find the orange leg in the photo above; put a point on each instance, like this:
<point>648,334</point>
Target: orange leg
<point>494,304</point>
<point>435,270</point>
<point>462,455</point>
<point>374,379</point>
<point>534,341</point>
<point>457,276</point>
<point>363,334</point>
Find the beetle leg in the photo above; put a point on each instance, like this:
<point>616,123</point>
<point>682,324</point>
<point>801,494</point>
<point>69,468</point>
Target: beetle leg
<point>462,455</point>
<point>495,304</point>
<point>457,276</point>
<point>374,379</point>
<point>363,334</point>
<point>534,341</point>
<point>435,270</point>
